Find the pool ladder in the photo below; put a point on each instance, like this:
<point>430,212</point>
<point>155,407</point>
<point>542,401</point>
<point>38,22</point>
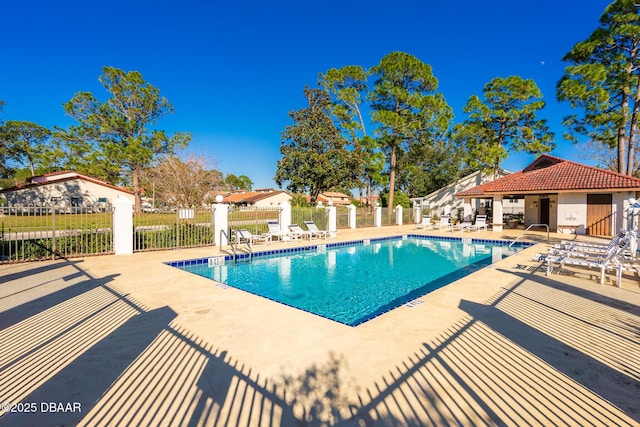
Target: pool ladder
<point>528,228</point>
<point>232,245</point>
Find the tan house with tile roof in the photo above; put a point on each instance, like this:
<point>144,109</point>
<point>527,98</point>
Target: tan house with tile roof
<point>267,198</point>
<point>567,196</point>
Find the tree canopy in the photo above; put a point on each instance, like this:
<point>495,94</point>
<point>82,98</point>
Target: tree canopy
<point>602,83</point>
<point>119,134</point>
<point>26,143</point>
<point>181,183</point>
<point>241,182</point>
<point>315,157</point>
<point>407,108</point>
<point>347,87</point>
<point>505,120</point>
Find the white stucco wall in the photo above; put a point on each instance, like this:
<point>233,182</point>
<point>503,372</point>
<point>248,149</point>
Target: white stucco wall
<point>572,213</point>
<point>273,201</point>
<point>532,211</point>
<point>621,210</point>
<point>445,199</point>
<point>88,192</point>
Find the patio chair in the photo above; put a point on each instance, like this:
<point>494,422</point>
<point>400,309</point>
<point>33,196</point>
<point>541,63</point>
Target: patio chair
<point>297,232</point>
<point>593,246</point>
<point>461,227</point>
<point>605,262</point>
<point>587,249</point>
<point>425,224</point>
<point>244,236</point>
<point>275,232</point>
<point>481,223</point>
<point>444,223</point>
<point>315,231</point>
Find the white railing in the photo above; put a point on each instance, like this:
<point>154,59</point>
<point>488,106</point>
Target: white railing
<point>528,228</point>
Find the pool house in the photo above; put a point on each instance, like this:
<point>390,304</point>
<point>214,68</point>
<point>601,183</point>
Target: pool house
<point>567,196</point>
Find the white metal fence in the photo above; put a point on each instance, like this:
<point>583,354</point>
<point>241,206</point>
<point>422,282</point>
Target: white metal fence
<point>29,233</point>
<point>172,229</point>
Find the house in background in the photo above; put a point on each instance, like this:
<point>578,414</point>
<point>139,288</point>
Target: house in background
<point>263,198</point>
<point>336,198</point>
<point>444,201</point>
<point>567,196</point>
<point>65,190</point>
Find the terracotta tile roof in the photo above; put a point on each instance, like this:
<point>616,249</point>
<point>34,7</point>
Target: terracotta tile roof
<point>552,174</point>
<point>53,177</point>
<point>250,196</point>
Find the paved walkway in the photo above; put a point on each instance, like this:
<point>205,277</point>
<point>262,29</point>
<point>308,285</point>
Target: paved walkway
<point>128,340</point>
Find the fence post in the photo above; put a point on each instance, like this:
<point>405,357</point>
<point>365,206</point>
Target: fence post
<point>377,218</point>
<point>497,213</point>
<point>220,222</point>
<point>123,226</point>
<point>332,221</point>
<point>352,216</point>
<point>284,217</point>
<point>417,214</point>
<point>467,211</point>
<point>398,215</point>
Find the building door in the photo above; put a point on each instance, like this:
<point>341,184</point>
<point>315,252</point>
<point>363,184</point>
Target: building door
<point>544,211</point>
<point>599,213</point>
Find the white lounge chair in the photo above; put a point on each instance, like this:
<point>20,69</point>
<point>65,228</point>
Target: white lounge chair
<point>275,232</point>
<point>297,232</point>
<point>425,224</point>
<point>481,223</point>
<point>444,223</point>
<point>461,227</point>
<point>315,231</point>
<point>605,262</point>
<point>245,236</point>
<point>568,245</point>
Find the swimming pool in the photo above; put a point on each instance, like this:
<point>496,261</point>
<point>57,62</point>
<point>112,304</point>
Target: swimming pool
<point>354,282</point>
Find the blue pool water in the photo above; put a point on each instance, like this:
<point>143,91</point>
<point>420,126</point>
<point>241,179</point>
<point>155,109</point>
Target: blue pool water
<point>356,282</point>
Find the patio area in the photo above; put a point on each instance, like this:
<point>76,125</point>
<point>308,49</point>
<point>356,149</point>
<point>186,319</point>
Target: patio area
<point>130,340</point>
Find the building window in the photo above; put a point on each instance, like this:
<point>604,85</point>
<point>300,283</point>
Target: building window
<point>76,202</point>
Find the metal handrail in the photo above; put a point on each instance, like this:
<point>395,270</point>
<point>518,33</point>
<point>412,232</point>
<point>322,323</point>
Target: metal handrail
<point>233,249</point>
<point>532,225</point>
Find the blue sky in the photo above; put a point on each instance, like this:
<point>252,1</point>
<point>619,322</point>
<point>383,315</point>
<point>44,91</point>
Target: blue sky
<point>233,70</point>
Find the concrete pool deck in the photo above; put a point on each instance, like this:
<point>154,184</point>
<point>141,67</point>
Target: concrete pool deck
<point>130,340</point>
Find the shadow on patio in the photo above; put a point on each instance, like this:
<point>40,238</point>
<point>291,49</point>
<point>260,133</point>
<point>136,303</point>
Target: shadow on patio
<point>538,353</point>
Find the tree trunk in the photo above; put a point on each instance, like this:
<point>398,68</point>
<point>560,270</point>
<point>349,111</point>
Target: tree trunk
<point>135,178</point>
<point>623,141</point>
<point>631,163</point>
<point>392,178</point>
<point>496,165</point>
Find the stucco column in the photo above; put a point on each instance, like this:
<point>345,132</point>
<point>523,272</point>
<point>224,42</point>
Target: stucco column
<point>398,215</point>
<point>467,210</point>
<point>497,213</point>
<point>123,226</point>
<point>220,222</point>
<point>332,221</point>
<point>352,216</point>
<point>377,216</point>
<point>417,214</point>
<point>284,217</point>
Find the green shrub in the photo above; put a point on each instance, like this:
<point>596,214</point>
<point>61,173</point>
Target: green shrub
<point>399,198</point>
